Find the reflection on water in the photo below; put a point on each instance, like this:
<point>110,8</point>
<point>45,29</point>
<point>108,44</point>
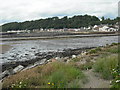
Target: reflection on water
<point>25,50</point>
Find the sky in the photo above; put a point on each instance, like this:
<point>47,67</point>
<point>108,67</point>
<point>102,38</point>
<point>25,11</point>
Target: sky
<point>23,10</point>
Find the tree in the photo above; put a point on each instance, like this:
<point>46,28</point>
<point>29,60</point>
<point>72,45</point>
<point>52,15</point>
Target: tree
<point>103,18</point>
<point>57,23</point>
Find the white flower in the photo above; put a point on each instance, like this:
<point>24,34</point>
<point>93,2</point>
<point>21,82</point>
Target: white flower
<point>117,81</point>
<point>20,86</point>
<point>20,82</point>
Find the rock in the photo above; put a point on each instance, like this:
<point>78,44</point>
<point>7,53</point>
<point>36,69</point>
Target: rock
<point>11,58</point>
<point>26,54</point>
<point>83,53</point>
<point>40,62</point>
<point>73,56</point>
<point>4,74</point>
<point>18,68</point>
<point>68,61</point>
<point>32,48</point>
<point>65,59</point>
<point>57,58</point>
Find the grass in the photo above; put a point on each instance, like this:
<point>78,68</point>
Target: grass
<point>52,75</point>
<point>105,65</point>
<point>95,50</point>
<point>107,61</point>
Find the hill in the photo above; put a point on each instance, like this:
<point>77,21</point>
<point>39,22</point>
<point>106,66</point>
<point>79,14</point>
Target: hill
<point>58,23</point>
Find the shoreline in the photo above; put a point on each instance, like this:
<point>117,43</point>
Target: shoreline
<point>42,59</point>
<point>56,37</point>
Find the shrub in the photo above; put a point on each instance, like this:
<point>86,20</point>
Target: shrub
<point>95,50</point>
<point>92,51</point>
<point>114,44</point>
<point>116,80</point>
<point>113,50</point>
<point>63,75</point>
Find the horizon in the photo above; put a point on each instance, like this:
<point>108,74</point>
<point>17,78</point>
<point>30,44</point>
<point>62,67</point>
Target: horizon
<point>26,10</point>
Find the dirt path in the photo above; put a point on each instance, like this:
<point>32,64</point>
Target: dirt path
<point>94,81</point>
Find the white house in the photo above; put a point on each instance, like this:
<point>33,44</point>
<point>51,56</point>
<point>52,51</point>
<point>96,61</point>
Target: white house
<point>104,28</point>
<point>95,28</point>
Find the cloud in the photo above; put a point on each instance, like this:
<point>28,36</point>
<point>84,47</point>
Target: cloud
<point>21,10</point>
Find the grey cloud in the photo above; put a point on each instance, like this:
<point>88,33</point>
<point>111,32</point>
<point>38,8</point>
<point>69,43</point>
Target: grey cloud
<point>21,10</point>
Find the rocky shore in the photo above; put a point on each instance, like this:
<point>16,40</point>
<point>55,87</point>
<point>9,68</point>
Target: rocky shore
<point>11,68</point>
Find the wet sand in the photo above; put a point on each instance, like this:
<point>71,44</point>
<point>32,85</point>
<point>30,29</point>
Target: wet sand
<point>4,48</point>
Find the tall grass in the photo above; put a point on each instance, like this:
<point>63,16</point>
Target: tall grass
<point>64,74</point>
<point>105,65</point>
<point>52,75</point>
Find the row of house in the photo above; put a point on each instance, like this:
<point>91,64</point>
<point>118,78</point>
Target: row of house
<point>105,28</point>
<point>19,31</point>
<point>95,28</point>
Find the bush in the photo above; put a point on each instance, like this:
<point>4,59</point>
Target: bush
<point>113,50</point>
<point>105,66</point>
<point>95,50</point>
<point>92,51</point>
<point>63,75</point>
<point>116,75</point>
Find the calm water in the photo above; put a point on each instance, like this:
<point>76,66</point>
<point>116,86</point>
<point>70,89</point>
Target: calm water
<point>25,50</point>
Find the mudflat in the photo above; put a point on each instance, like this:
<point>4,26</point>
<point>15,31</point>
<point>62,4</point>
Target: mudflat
<point>4,48</point>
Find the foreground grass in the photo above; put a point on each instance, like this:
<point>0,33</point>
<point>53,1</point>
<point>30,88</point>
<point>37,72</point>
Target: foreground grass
<point>52,75</point>
<point>105,66</point>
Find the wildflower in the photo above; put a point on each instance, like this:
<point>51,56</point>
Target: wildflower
<point>20,82</point>
<point>110,82</point>
<point>117,81</point>
<point>48,83</point>
<point>20,86</point>
<point>52,83</point>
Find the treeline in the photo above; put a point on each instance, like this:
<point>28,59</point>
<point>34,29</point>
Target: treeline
<point>58,23</point>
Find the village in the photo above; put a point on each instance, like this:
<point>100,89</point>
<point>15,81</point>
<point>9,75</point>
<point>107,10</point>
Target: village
<point>95,28</point>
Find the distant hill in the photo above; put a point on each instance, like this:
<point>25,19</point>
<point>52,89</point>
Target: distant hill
<point>57,23</point>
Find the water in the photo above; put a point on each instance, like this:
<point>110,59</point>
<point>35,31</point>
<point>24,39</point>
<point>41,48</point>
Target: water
<point>26,50</point>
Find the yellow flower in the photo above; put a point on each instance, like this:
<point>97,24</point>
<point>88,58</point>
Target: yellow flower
<point>48,83</point>
<point>52,83</point>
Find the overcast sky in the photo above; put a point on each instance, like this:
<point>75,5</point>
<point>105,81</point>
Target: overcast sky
<point>22,10</point>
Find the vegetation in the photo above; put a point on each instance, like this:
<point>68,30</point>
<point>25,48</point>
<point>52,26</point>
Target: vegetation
<point>105,65</point>
<point>116,75</point>
<point>57,23</point>
<point>53,75</point>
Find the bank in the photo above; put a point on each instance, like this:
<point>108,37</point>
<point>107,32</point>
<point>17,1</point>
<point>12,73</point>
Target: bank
<point>53,75</point>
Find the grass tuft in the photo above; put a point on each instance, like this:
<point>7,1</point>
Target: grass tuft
<point>105,65</point>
